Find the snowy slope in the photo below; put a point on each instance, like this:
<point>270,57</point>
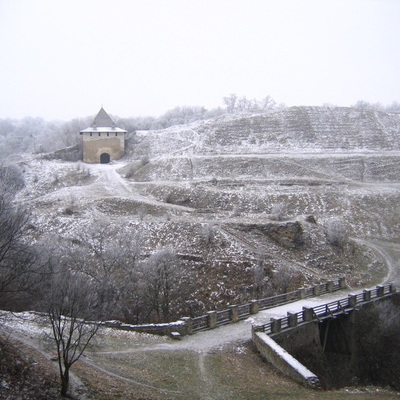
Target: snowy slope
<point>208,190</point>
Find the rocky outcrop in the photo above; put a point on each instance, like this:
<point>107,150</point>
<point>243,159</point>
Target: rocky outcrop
<point>288,234</point>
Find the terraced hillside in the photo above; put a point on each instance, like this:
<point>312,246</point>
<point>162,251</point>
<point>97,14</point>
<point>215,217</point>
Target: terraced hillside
<point>244,200</point>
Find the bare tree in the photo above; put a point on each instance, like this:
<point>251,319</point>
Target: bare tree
<point>163,276</point>
<point>268,103</point>
<point>230,103</point>
<point>74,310</point>
<point>110,253</point>
<point>19,270</point>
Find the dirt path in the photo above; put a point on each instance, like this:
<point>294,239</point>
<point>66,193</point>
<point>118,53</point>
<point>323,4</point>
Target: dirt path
<point>111,183</point>
<point>390,252</point>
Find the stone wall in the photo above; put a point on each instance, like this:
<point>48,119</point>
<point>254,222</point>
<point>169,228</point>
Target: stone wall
<point>283,361</point>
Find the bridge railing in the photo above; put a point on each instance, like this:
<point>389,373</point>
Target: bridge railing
<point>323,311</point>
<point>237,313</point>
<point>234,313</point>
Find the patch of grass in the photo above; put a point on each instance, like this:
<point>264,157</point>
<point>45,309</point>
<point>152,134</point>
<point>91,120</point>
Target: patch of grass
<point>235,372</point>
<point>25,373</point>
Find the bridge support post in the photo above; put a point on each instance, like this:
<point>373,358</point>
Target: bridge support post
<point>392,288</point>
<point>329,286</point>
<point>352,300</point>
<point>316,290</point>
<point>307,314</point>
<point>188,324</point>
<point>380,290</point>
<point>276,325</point>
<point>367,295</point>
<point>342,283</point>
<point>212,319</point>
<point>302,293</point>
<point>254,307</point>
<point>234,313</point>
<point>292,319</point>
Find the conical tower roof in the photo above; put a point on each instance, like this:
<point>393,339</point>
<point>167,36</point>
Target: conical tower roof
<point>102,119</point>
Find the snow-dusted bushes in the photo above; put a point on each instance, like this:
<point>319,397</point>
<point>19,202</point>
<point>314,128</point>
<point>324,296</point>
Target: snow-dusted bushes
<point>336,232</point>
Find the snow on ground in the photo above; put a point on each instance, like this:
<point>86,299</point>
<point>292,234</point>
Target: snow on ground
<point>33,324</point>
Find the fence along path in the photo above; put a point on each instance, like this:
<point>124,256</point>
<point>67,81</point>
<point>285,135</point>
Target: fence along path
<point>213,319</point>
<point>235,313</point>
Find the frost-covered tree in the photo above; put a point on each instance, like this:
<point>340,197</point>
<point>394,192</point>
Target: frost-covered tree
<point>278,211</point>
<point>230,103</point>
<point>110,253</point>
<point>19,270</point>
<point>164,278</point>
<point>336,232</point>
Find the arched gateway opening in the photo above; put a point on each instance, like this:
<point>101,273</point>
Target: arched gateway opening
<point>104,158</point>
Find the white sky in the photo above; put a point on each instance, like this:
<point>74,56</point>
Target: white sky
<point>62,59</point>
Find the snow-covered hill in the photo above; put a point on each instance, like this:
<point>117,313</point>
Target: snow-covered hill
<point>231,194</point>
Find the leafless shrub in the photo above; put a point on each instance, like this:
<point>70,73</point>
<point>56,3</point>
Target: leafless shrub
<point>71,208</point>
<point>87,172</point>
<point>130,172</point>
<point>278,211</point>
<point>144,160</point>
<point>56,180</point>
<point>208,233</point>
<point>142,213</point>
<point>286,279</point>
<point>214,181</point>
<point>169,198</point>
<point>336,232</point>
<point>236,212</point>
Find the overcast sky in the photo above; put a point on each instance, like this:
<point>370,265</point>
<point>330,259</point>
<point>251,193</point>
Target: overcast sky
<point>62,59</point>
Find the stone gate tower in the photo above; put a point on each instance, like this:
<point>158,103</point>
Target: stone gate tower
<point>103,141</point>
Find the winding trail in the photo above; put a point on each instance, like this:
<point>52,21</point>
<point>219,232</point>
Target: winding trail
<point>390,252</point>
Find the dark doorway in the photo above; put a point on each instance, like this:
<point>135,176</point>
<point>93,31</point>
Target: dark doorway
<point>105,158</point>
